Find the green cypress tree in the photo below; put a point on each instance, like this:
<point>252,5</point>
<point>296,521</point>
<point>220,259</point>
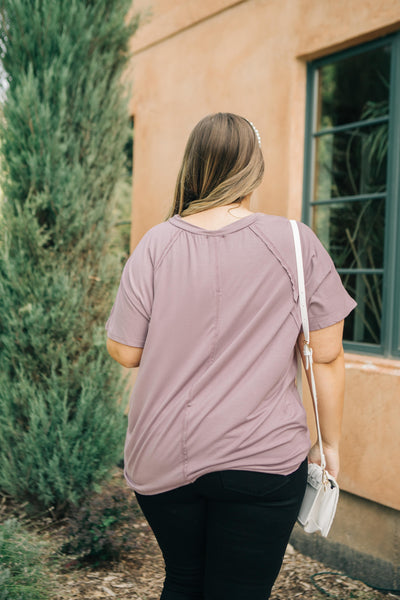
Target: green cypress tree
<point>65,126</point>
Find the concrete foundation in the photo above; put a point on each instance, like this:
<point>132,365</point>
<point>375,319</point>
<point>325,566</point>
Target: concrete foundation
<point>364,543</point>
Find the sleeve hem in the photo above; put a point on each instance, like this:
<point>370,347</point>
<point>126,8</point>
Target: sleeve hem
<point>332,318</point>
<point>134,343</point>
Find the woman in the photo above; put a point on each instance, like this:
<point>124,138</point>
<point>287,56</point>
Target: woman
<point>217,442</point>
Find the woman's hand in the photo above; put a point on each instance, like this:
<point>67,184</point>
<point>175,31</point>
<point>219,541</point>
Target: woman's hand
<point>331,457</point>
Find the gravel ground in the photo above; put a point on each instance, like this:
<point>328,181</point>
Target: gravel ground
<point>139,575</point>
<point>140,578</point>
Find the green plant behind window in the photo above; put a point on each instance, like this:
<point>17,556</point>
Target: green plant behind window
<point>352,162</point>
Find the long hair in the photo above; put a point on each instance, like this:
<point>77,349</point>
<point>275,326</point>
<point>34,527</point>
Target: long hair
<point>222,164</point>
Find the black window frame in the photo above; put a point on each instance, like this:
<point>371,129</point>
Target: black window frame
<point>390,329</point>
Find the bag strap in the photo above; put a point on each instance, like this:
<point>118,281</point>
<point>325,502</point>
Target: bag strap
<point>307,350</point>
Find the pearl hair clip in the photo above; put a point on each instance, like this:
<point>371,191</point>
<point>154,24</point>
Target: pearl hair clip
<point>256,132</point>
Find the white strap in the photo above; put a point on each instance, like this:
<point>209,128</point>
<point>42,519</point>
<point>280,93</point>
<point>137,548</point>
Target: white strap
<point>307,351</point>
<point>300,278</point>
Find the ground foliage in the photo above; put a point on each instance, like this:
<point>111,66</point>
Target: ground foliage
<point>95,532</point>
<point>22,574</point>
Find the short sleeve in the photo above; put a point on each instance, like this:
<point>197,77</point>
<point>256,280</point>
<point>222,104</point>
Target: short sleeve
<point>130,315</point>
<point>327,299</point>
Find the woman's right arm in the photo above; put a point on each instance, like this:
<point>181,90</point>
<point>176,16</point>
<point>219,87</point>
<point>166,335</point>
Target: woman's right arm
<point>329,373</point>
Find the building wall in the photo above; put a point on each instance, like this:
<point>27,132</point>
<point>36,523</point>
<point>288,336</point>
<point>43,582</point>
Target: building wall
<point>193,58</point>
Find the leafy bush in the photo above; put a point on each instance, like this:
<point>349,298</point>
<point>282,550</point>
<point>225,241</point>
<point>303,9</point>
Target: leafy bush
<point>63,138</point>
<point>22,575</point>
<point>95,530</point>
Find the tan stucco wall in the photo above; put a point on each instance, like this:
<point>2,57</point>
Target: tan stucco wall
<point>370,446</point>
<point>193,58</point>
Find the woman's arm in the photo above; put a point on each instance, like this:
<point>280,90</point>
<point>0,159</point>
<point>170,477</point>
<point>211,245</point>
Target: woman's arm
<point>329,372</point>
<point>127,356</point>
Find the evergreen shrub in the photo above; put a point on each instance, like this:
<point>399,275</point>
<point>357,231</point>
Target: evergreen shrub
<point>62,140</point>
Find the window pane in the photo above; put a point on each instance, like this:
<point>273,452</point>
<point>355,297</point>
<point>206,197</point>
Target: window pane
<point>352,232</point>
<point>351,162</point>
<point>364,323</point>
<point>354,88</point>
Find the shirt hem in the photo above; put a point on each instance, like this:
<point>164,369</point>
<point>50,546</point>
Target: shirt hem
<point>143,489</point>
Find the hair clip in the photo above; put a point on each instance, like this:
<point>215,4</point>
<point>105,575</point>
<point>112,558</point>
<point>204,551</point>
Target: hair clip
<point>256,132</point>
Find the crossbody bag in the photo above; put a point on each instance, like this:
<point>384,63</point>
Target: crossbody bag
<point>322,492</point>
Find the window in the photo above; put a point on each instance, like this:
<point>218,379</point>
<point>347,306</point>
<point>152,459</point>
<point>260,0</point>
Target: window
<point>351,183</point>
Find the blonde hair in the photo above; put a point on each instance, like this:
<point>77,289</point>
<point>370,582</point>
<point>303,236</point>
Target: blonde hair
<point>222,164</point>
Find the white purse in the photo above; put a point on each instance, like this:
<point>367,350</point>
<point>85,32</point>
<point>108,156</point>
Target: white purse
<point>322,492</point>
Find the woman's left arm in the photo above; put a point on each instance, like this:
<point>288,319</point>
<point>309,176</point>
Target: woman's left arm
<point>130,315</point>
<point>127,356</point>
<point>329,372</point>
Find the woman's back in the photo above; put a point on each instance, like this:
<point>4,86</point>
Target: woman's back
<point>216,388</point>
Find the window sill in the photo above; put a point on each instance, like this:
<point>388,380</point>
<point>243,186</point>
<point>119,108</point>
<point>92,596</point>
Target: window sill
<point>372,364</point>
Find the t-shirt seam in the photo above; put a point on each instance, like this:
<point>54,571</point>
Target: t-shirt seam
<point>295,316</point>
<point>307,235</point>
<point>310,295</point>
<point>212,232</point>
<point>218,293</point>
<point>167,248</point>
<point>275,252</point>
<point>135,300</point>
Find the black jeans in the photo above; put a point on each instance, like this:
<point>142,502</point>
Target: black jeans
<point>224,536</point>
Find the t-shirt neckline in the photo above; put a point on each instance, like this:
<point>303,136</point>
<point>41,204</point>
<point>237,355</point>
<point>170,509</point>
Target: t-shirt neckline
<point>242,222</point>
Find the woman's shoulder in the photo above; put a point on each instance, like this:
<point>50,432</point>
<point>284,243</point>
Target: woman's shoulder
<point>153,243</point>
<point>277,235</point>
<point>281,224</point>
<point>277,230</point>
<point>156,235</point>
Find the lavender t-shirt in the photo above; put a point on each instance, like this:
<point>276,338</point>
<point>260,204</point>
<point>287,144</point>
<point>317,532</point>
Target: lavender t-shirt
<point>217,315</point>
